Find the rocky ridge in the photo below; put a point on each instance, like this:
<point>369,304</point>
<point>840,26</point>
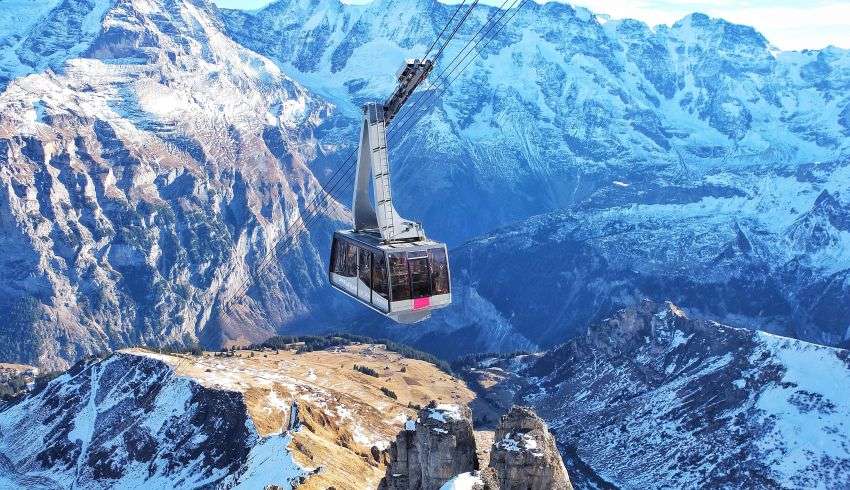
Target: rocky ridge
<point>777,271</point>
<point>242,420</point>
<point>651,397</point>
<point>438,451</point>
<point>128,421</point>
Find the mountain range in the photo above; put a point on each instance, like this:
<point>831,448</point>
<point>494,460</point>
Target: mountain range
<point>582,164</point>
<point>153,154</point>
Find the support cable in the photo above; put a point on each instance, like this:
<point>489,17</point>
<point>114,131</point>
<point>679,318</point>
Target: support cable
<point>404,121</point>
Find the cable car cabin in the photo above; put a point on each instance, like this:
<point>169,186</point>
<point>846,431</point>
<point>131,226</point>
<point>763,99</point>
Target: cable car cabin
<point>404,281</point>
<point>386,262</point>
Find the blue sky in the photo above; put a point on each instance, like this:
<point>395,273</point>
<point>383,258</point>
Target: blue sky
<point>788,24</point>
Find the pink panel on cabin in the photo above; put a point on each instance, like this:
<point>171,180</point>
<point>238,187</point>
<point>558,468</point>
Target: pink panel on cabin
<point>420,303</point>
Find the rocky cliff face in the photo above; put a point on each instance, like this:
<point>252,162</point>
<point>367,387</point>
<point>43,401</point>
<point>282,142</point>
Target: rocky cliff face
<point>433,449</point>
<point>438,451</point>
<point>142,183</point>
<point>650,397</point>
<point>524,455</point>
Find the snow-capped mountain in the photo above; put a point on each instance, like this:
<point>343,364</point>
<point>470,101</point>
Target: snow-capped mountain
<point>151,153</point>
<point>696,163</point>
<point>651,398</point>
<point>561,103</point>
<point>143,179</point>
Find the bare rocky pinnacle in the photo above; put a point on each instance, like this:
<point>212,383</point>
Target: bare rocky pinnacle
<point>430,451</point>
<point>440,445</point>
<point>524,455</point>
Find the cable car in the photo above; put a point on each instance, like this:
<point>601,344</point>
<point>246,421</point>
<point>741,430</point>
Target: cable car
<point>386,262</point>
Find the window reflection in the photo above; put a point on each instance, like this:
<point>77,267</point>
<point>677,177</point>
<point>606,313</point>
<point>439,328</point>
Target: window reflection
<point>365,266</point>
<point>420,277</point>
<point>379,275</point>
<point>399,278</point>
<point>439,271</point>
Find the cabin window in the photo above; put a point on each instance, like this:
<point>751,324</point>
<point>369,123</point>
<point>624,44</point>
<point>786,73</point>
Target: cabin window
<point>345,259</point>
<point>399,277</point>
<point>365,266</point>
<point>379,275</point>
<point>420,277</point>
<point>335,256</point>
<point>439,271</point>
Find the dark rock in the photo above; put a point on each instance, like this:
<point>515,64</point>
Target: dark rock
<point>430,452</point>
<point>524,455</point>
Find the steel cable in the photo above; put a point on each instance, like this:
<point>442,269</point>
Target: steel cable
<point>410,119</point>
<point>411,109</point>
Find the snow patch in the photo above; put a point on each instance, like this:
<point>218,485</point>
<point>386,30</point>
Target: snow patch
<point>445,412</point>
<point>463,481</point>
<point>270,463</point>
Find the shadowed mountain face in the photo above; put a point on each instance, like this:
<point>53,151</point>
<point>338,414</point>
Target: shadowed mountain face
<point>651,398</point>
<point>540,280</point>
<point>130,421</point>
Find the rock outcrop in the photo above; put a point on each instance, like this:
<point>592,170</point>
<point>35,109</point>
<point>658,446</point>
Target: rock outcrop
<point>432,450</point>
<point>438,452</point>
<point>524,455</point>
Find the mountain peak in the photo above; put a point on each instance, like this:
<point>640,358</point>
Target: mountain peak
<point>718,31</point>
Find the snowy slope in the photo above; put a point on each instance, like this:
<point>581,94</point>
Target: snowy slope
<point>651,398</point>
<point>130,422</point>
